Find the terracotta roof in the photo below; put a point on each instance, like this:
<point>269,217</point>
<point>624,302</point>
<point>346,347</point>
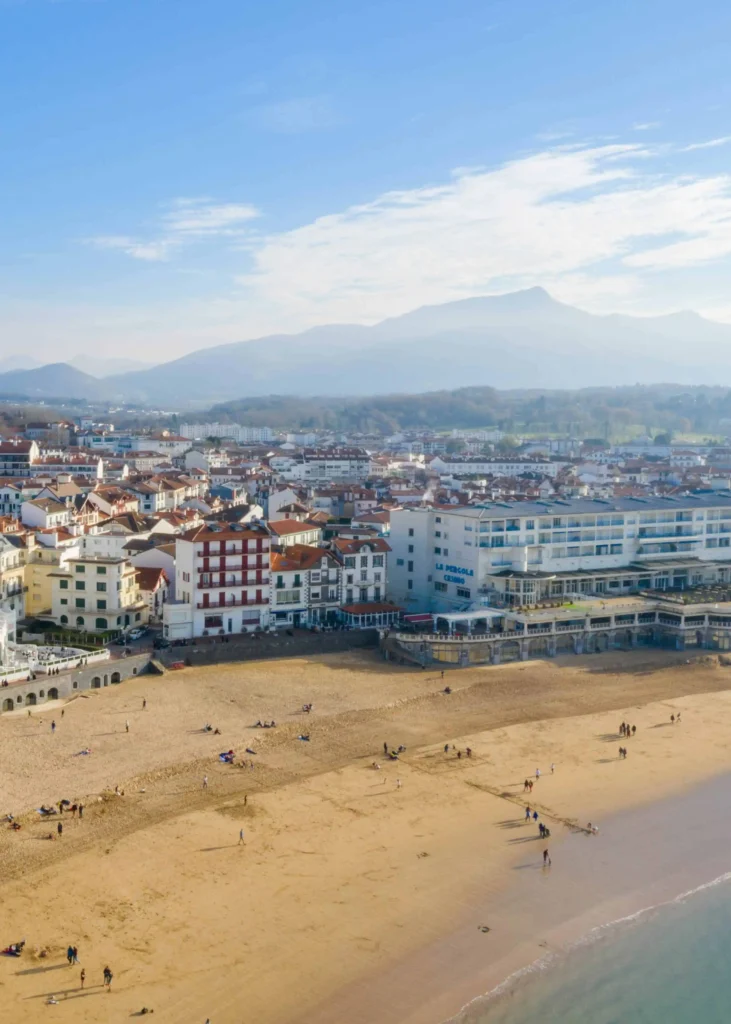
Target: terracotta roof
<point>351,546</point>
<point>283,527</point>
<point>299,557</point>
<point>236,531</point>
<point>150,579</point>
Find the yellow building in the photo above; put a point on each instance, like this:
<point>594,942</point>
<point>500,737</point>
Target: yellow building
<point>40,562</point>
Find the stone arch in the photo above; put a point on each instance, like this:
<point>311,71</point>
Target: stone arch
<point>30,700</point>
<point>8,704</point>
<point>80,621</point>
<point>510,650</point>
<point>53,693</point>
<point>64,620</point>
<point>565,643</point>
<point>41,693</point>
<point>101,623</point>
<point>116,677</point>
<point>538,646</point>
<point>601,642</point>
<point>96,683</point>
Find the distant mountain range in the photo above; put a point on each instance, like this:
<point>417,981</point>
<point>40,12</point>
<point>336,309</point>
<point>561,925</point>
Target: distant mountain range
<point>521,339</point>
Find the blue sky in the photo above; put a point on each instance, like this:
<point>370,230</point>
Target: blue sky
<point>179,173</point>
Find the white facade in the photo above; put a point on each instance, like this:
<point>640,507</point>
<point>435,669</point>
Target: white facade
<point>222,576</point>
<point>96,594</point>
<point>496,466</point>
<point>242,434</point>
<point>442,557</point>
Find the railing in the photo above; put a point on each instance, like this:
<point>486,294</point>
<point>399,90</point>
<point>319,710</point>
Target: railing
<point>231,604</point>
<point>233,583</point>
<point>240,565</point>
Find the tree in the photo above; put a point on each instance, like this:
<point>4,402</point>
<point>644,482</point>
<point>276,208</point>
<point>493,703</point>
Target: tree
<point>665,437</point>
<point>506,445</point>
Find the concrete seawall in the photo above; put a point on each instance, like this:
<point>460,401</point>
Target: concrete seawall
<point>244,648</point>
<point>66,684</point>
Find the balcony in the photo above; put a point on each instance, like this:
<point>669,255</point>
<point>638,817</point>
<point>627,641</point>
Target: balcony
<point>234,565</point>
<point>263,582</point>
<point>232,604</point>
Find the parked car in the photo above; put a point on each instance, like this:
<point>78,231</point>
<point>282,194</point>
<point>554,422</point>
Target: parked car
<point>121,639</point>
<point>160,642</point>
<point>136,634</point>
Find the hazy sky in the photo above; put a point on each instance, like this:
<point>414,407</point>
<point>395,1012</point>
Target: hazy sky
<point>179,173</point>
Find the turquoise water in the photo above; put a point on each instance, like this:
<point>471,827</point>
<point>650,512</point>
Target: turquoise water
<point>665,966</point>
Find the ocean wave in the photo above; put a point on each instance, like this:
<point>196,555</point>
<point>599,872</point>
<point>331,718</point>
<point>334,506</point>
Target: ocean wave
<point>598,932</point>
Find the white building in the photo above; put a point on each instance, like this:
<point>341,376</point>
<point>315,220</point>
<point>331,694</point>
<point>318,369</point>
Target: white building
<point>96,594</point>
<point>305,586</point>
<point>495,466</point>
<point>343,465</point>
<point>221,581</point>
<point>446,558</point>
<point>237,432</point>
<point>365,569</point>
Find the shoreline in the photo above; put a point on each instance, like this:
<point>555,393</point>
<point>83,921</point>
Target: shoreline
<point>347,885</point>
<point>456,987</point>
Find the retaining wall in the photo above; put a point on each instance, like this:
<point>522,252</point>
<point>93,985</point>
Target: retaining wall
<point>66,684</point>
<point>244,648</point>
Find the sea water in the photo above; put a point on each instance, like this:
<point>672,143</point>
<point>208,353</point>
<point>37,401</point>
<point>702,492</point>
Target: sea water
<point>667,965</point>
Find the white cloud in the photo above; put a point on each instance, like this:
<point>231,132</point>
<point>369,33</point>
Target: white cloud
<point>539,219</point>
<point>186,220</point>
<point>710,144</point>
<point>151,252</point>
<point>645,126</point>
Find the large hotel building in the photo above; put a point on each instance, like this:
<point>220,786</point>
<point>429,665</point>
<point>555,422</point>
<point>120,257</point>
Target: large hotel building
<point>517,553</point>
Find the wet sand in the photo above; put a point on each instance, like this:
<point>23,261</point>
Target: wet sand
<point>345,879</point>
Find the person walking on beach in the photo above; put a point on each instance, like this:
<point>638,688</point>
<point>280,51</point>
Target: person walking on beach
<point>81,811</point>
<point>241,837</point>
<point>205,782</point>
<point>70,955</point>
<point>553,768</point>
<point>398,783</point>
<point>144,703</point>
<point>53,725</point>
<point>385,747</point>
<point>672,719</point>
<point>82,977</point>
<point>74,954</point>
<point>59,829</point>
<point>108,978</point>
<point>446,748</point>
<point>546,858</point>
<point>634,729</point>
<point>126,725</point>
<point>538,774</point>
<point>527,814</point>
<point>535,815</point>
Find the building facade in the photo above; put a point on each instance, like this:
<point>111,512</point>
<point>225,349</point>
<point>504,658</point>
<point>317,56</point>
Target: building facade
<point>221,581</point>
<point>448,558</point>
<point>95,594</point>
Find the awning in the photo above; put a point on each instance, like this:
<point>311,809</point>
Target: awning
<point>422,617</point>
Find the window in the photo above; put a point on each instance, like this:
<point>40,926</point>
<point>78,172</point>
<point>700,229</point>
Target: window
<point>445,551</point>
<point>64,600</point>
<point>297,580</point>
<point>437,519</point>
<point>64,619</point>
<point>101,570</point>
<point>410,585</point>
<point>440,587</point>
<point>186,577</point>
<point>101,606</point>
<point>213,622</point>
<point>101,587</point>
<point>411,532</point>
<point>463,592</point>
<point>81,602</point>
<point>437,551</point>
<point>101,623</point>
<point>349,578</point>
<point>437,533</point>
<point>349,596</point>
<point>363,561</point>
<point>64,584</point>
<point>399,561</point>
<point>530,524</point>
<point>350,563</point>
<point>81,568</point>
<point>80,621</point>
<point>411,549</point>
<point>377,577</point>
<point>315,594</point>
<point>410,567</point>
<point>376,593</point>
<point>288,596</point>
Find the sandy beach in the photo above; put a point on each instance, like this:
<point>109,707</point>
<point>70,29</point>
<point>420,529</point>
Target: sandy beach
<point>344,874</point>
